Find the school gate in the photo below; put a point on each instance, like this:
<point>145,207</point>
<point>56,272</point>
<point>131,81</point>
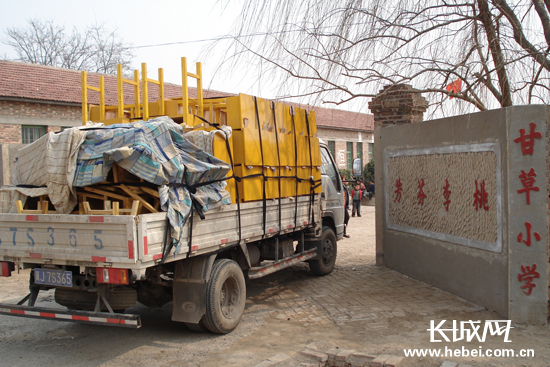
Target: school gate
<point>463,202</point>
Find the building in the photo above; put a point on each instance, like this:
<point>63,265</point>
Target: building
<point>36,99</point>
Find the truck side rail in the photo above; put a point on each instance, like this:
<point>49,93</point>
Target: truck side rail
<point>208,238</point>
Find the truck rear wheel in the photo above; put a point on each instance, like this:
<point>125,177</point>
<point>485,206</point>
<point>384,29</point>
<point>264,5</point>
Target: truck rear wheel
<point>225,297</point>
<point>325,264</point>
<point>197,328</point>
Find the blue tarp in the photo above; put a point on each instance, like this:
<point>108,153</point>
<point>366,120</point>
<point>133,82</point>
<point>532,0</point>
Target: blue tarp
<point>158,152</point>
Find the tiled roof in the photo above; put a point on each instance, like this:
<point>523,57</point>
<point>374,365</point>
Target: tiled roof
<point>38,82</point>
<point>340,119</point>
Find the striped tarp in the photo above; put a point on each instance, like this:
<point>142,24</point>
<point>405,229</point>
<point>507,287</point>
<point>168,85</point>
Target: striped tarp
<point>158,152</point>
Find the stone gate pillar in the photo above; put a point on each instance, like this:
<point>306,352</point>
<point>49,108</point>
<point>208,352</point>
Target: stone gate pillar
<point>398,104</point>
<point>394,105</point>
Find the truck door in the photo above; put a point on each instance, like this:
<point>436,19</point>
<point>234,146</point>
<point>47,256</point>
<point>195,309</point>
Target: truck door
<point>333,206</point>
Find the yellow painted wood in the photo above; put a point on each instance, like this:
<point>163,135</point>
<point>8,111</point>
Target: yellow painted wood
<point>241,116</point>
<point>267,129</point>
<point>288,184</point>
<point>185,90</point>
<point>44,207</point>
<point>144,91</point>
<point>84,83</point>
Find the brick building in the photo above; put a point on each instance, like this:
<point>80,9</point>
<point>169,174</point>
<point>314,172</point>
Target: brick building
<point>36,99</point>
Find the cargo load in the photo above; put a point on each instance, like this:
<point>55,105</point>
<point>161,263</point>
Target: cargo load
<point>163,200</point>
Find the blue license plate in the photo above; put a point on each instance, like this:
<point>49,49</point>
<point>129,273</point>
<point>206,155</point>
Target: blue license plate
<point>53,277</point>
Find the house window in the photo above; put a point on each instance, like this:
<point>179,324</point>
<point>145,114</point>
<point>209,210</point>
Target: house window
<point>349,155</point>
<point>31,133</point>
<point>360,153</point>
<point>332,148</point>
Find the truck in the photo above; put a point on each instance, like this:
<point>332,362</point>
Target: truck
<point>101,262</point>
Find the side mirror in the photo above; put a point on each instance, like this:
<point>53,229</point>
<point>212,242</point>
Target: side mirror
<point>357,169</point>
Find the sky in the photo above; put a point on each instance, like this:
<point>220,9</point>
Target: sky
<point>192,25</point>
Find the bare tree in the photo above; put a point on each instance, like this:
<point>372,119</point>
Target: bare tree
<point>480,53</point>
<point>96,49</point>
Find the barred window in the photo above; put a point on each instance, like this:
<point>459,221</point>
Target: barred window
<point>360,152</point>
<point>349,152</point>
<point>31,133</point>
<point>332,148</point>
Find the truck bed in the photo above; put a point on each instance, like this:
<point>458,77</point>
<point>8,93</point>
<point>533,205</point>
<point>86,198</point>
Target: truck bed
<point>136,242</point>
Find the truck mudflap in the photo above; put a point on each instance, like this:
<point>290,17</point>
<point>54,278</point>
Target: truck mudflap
<point>262,271</point>
<point>87,317</point>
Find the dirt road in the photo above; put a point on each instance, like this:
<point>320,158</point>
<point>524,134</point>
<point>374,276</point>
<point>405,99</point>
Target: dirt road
<point>359,306</point>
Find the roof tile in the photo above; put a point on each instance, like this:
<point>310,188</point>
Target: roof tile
<point>32,81</point>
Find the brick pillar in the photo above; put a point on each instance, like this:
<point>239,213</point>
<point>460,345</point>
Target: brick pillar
<point>398,104</point>
<point>395,104</point>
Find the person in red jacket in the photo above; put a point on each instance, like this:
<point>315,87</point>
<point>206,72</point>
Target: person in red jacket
<point>356,195</point>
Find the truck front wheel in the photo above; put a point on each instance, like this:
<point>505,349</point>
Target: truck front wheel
<point>225,297</point>
<point>325,264</point>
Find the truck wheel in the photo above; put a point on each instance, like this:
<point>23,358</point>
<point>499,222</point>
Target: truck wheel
<point>197,328</point>
<point>225,297</point>
<point>325,264</point>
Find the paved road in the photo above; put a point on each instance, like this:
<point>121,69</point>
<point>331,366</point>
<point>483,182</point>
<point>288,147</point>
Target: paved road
<point>360,306</point>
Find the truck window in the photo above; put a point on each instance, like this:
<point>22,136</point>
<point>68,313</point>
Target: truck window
<point>329,169</point>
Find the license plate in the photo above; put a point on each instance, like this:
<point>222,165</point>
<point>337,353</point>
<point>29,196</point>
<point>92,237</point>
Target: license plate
<point>53,277</point>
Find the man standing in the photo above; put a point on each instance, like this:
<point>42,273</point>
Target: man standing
<point>346,205</point>
<point>356,195</point>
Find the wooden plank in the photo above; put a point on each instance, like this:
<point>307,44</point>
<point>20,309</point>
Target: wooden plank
<point>139,198</point>
<point>87,195</point>
<point>135,208</point>
<point>105,193</point>
<point>150,191</point>
<point>136,189</point>
<point>20,210</point>
<point>116,208</point>
<point>113,211</point>
<point>87,208</point>
<point>115,172</point>
<point>109,188</point>
<point>44,206</point>
<point>133,211</point>
<point>19,206</point>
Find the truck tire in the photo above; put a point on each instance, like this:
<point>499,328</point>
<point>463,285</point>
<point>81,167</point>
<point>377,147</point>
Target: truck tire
<point>225,297</point>
<point>325,264</point>
<point>197,328</point>
<point>120,298</point>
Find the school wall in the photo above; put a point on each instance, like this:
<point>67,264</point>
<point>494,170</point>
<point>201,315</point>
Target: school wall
<point>454,205</point>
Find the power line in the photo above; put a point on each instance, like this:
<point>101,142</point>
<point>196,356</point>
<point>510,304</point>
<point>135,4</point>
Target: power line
<point>227,36</point>
<point>185,42</point>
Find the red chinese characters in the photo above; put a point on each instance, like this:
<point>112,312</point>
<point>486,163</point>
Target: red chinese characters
<point>528,182</point>
<point>446,195</point>
<point>398,190</point>
<point>528,141</point>
<point>481,197</point>
<point>527,276</point>
<point>527,240</point>
<point>421,195</point>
